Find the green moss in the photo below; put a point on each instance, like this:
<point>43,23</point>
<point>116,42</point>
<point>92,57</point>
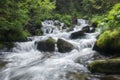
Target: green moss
<point>111,66</point>
<point>109,39</point>
<point>50,40</point>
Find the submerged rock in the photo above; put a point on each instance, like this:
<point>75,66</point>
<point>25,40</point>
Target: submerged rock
<point>2,63</point>
<point>110,66</point>
<point>64,46</point>
<point>47,45</point>
<point>76,76</point>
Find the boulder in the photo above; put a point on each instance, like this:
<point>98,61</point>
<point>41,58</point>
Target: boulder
<point>108,42</point>
<point>109,66</point>
<point>86,29</point>
<point>107,50</point>
<point>64,46</point>
<point>47,45</point>
<point>78,34</point>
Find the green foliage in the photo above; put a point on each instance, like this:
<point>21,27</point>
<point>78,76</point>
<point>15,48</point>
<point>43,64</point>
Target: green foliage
<point>113,18</point>
<point>64,6</point>
<point>66,19</point>
<point>63,18</point>
<point>97,18</point>
<point>40,9</point>
<point>12,19</point>
<point>14,15</point>
<point>97,6</point>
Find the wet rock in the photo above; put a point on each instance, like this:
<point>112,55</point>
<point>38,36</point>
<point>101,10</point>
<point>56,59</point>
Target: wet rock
<point>47,45</point>
<point>57,23</point>
<point>70,29</point>
<point>109,66</point>
<point>78,34</point>
<point>2,63</point>
<point>64,46</point>
<point>94,24</point>
<point>86,29</point>
<point>76,76</point>
<point>92,29</point>
<point>110,77</point>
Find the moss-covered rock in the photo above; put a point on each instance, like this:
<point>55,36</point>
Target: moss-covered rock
<point>110,66</point>
<point>108,41</point>
<point>64,46</point>
<point>47,45</point>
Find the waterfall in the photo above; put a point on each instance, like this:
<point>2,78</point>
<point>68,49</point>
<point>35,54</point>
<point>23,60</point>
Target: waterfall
<point>27,63</point>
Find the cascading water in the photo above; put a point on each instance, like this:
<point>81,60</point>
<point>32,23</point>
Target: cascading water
<point>27,63</point>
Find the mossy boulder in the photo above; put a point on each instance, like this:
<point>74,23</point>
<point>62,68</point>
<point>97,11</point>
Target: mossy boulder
<point>47,45</point>
<point>64,46</point>
<point>109,66</point>
<point>108,42</point>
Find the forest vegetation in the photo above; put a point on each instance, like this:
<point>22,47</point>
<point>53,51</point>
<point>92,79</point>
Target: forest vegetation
<point>20,19</point>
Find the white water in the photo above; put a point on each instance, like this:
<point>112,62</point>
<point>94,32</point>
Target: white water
<point>27,63</point>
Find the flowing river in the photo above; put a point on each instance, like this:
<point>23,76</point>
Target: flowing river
<point>25,62</point>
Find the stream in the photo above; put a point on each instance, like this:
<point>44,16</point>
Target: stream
<point>28,63</point>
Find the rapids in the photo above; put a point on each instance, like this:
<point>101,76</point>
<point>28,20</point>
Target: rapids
<point>27,63</point>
